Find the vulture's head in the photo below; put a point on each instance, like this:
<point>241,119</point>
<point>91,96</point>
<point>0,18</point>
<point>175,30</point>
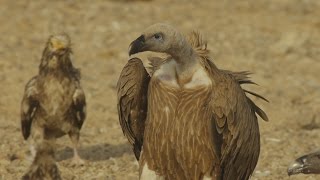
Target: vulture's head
<point>307,164</point>
<point>57,52</point>
<point>159,37</point>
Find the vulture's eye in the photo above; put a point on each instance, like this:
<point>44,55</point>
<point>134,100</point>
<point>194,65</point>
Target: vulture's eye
<point>157,36</point>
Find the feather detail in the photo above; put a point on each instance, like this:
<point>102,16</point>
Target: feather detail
<point>154,64</point>
<point>198,44</point>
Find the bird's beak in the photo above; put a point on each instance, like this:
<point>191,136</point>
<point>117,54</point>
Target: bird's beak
<point>308,164</point>
<point>58,45</point>
<point>137,45</point>
<point>296,167</point>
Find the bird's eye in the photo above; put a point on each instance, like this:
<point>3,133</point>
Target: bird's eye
<point>157,36</point>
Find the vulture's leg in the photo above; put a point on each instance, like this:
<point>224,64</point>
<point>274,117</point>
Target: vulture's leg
<point>147,174</point>
<point>75,136</point>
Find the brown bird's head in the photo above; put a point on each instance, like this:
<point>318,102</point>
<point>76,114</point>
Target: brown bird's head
<point>161,38</point>
<point>59,44</point>
<point>307,164</point>
<point>56,54</point>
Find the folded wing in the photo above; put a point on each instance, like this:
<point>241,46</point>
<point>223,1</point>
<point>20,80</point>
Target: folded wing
<point>235,123</point>
<point>132,89</point>
<point>28,107</point>
<point>79,104</point>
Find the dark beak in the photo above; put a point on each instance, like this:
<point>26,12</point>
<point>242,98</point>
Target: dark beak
<point>137,45</point>
<point>296,167</point>
<point>308,164</point>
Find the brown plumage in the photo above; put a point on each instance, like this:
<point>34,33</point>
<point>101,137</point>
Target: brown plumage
<point>190,119</point>
<point>54,103</point>
<point>306,164</point>
<point>133,102</point>
<point>44,165</point>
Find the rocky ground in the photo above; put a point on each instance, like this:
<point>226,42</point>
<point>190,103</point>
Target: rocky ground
<point>278,40</point>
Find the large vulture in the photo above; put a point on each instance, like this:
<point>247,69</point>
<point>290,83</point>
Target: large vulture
<point>189,119</point>
<point>307,164</point>
<point>54,103</point>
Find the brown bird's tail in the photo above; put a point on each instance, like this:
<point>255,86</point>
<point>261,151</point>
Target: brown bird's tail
<point>44,165</point>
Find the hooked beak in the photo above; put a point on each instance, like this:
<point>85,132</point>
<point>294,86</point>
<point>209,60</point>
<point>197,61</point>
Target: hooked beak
<point>295,168</point>
<point>308,164</point>
<point>60,52</point>
<point>137,45</point>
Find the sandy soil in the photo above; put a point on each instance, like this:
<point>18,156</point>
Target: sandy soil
<point>278,40</point>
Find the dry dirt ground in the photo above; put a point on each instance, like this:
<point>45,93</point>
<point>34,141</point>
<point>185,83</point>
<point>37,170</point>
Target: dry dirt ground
<point>278,40</point>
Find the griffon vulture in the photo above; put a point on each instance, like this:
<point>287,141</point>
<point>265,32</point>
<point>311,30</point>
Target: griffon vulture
<point>189,119</point>
<point>54,103</point>
<point>307,164</point>
<point>44,165</point>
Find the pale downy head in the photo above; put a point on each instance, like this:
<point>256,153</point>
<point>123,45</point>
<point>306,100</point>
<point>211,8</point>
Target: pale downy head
<point>161,38</point>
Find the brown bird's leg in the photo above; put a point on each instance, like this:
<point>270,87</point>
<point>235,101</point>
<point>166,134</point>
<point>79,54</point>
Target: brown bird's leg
<point>37,138</point>
<point>75,136</point>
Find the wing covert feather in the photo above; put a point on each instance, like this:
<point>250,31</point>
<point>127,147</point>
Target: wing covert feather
<point>132,89</point>
<point>28,107</point>
<point>79,102</point>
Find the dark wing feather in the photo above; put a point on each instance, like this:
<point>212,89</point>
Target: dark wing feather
<point>243,78</point>
<point>29,105</point>
<point>132,102</point>
<point>79,102</point>
<point>235,120</point>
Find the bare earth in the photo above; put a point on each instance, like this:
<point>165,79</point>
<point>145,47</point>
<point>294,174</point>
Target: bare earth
<point>278,40</point>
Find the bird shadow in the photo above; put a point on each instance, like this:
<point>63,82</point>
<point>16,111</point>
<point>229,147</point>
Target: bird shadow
<point>98,152</point>
<point>312,125</point>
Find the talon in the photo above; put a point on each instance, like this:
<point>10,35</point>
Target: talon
<point>77,161</point>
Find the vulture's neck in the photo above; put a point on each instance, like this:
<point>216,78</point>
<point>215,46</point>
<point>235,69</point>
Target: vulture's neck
<point>187,63</point>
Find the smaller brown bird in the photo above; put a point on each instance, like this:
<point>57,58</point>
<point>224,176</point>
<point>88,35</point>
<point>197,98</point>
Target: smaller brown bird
<point>44,165</point>
<point>307,164</point>
<point>54,103</point>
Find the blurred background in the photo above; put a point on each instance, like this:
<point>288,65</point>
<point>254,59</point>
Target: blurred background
<point>278,40</point>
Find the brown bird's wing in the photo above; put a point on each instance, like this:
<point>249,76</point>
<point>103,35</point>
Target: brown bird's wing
<point>235,123</point>
<point>132,102</point>
<point>79,104</point>
<point>29,105</point>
